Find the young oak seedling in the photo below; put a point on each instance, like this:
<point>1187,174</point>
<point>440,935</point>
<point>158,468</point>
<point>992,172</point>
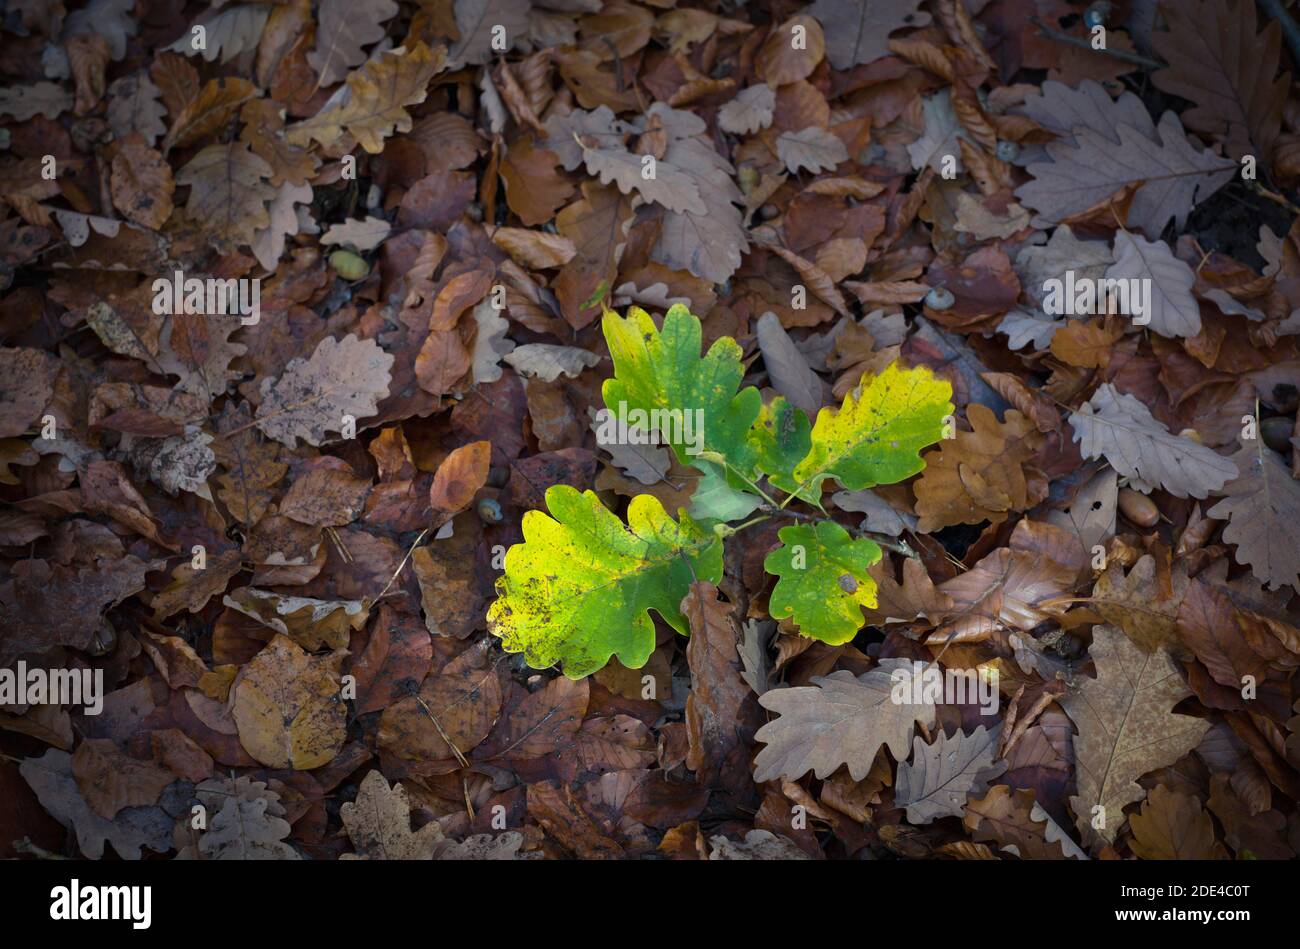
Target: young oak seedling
<point>578,589</point>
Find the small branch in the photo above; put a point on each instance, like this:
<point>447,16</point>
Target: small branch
<point>1290,30</point>
<point>401,565</point>
<point>1273,196</point>
<point>1052,34</point>
<point>898,546</point>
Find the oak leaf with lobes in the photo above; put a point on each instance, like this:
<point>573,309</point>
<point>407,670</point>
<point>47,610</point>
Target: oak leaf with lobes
<point>343,378</point>
<point>1263,511</point>
<point>823,580</point>
<point>841,719</point>
<point>373,103</point>
<point>577,590</point>
<point>1115,425</point>
<point>1126,727</point>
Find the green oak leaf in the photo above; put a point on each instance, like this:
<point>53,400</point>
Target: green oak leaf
<point>577,590</point>
<point>823,580</point>
<point>662,371</point>
<point>715,499</point>
<point>782,437</point>
<point>877,435</point>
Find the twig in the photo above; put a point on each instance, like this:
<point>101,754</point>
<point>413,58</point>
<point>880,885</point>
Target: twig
<point>1290,30</point>
<point>899,546</point>
<point>1273,196</point>
<point>401,565</point>
<point>1136,58</point>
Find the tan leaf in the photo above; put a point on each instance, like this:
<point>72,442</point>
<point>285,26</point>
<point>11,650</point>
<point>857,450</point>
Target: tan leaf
<point>134,106</point>
<point>978,475</point>
<point>1117,426</point>
<point>359,235</point>
<point>460,476</point>
<point>780,61</point>
<point>343,28</point>
<point>1145,603</point>
<point>812,149</point>
<point>1005,589</point>
<point>311,623</point>
<point>142,183</point>
<point>858,32</point>
<point>374,103</point>
<point>459,294</point>
<point>840,719</point>
<point>342,377</point>
<point>228,193</point>
<point>378,823</point>
<point>287,706</point>
<point>214,106</point>
<point>1217,61</point>
<point>1173,826</point>
<point>548,362</point>
<point>941,774</point>
<point>721,714</point>
<point>1019,825</point>
<point>750,111</point>
<point>536,250</point>
<point>452,713</point>
<point>110,779</point>
<point>1126,727</point>
<point>1263,512</point>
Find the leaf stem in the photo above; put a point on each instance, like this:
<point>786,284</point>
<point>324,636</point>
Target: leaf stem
<point>1058,36</point>
<point>900,547</point>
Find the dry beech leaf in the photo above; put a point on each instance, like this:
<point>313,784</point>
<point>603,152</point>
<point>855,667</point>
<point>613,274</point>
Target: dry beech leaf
<point>286,705</point>
<point>460,476</point>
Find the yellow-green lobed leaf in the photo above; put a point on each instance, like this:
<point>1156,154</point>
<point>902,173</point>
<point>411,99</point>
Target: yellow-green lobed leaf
<point>662,370</point>
<point>877,435</point>
<point>823,580</point>
<point>578,589</point>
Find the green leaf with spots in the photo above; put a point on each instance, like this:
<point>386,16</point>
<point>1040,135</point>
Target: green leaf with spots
<point>578,589</point>
<point>823,580</point>
<point>694,402</point>
<point>782,437</point>
<point>877,435</point>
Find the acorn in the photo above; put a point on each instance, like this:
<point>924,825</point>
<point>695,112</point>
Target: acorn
<point>1096,14</point>
<point>1276,432</point>
<point>104,641</point>
<point>939,298</point>
<point>1138,508</point>
<point>489,510</point>
<point>348,265</point>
